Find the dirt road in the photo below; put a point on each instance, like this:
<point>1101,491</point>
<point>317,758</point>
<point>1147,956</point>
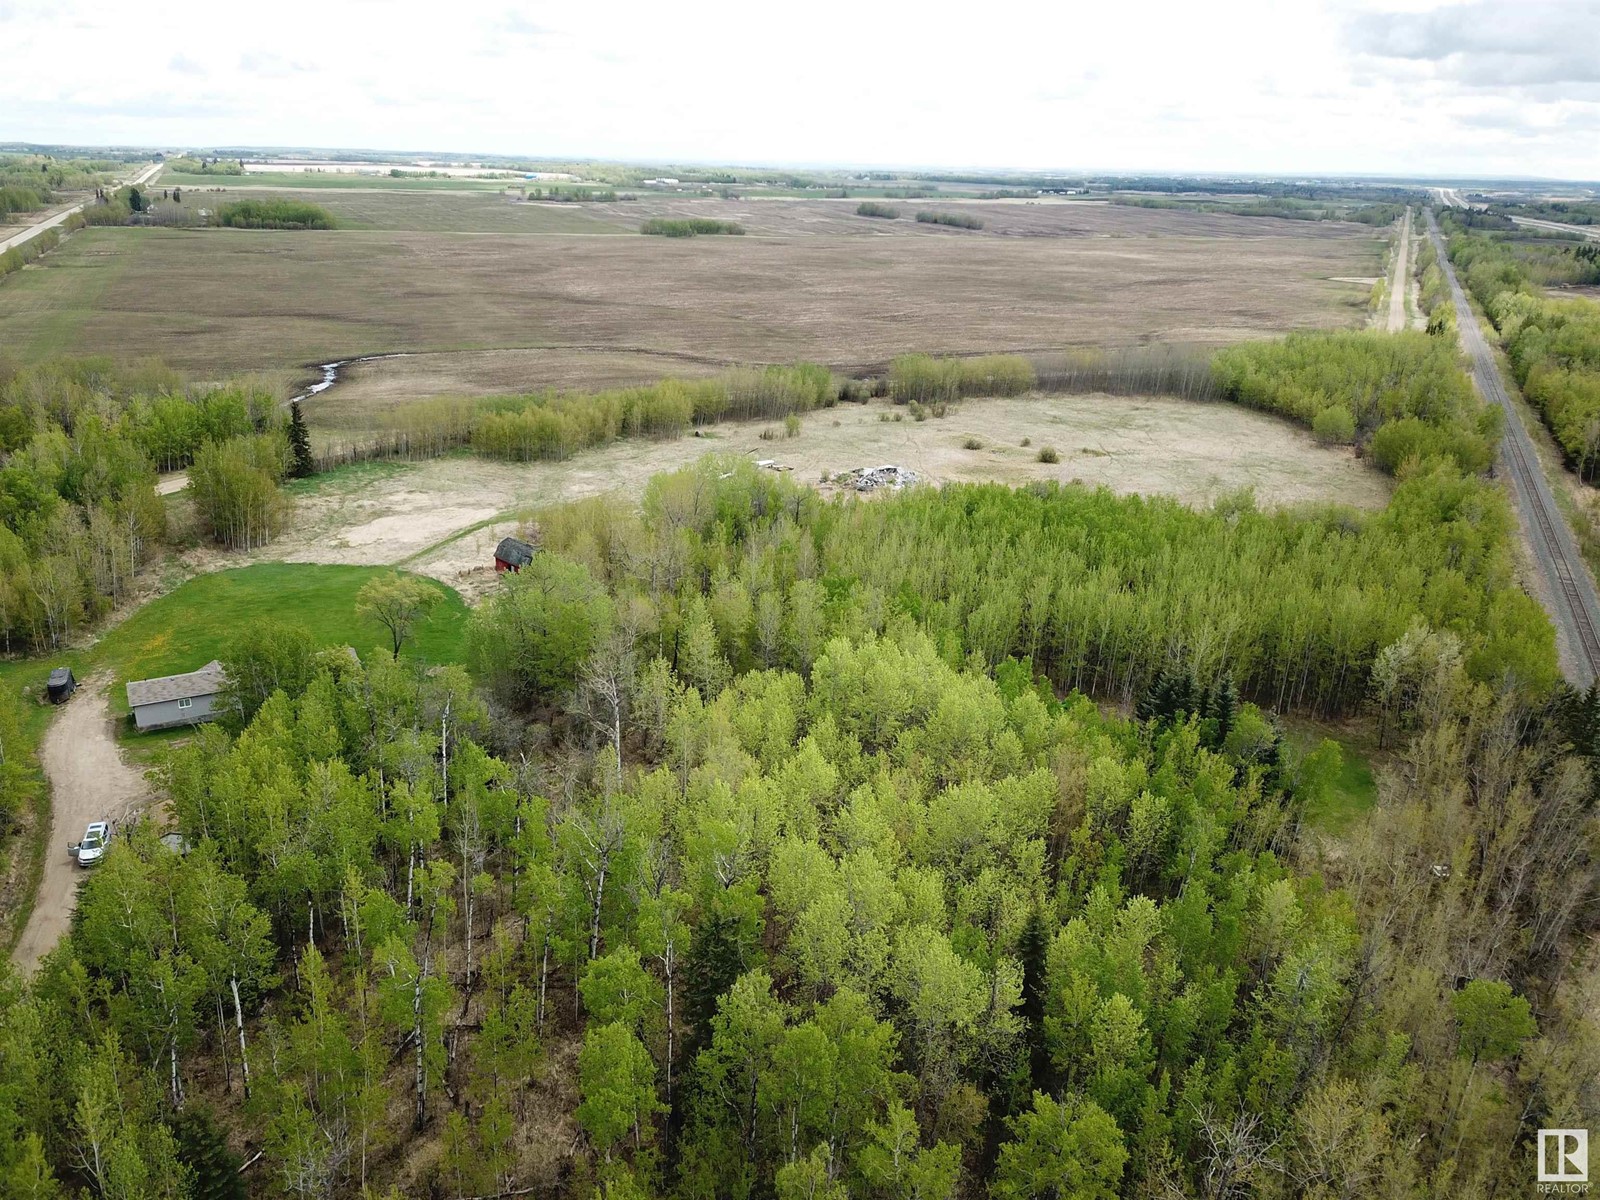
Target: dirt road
<point>1569,593</point>
<point>1400,283</point>
<point>60,215</point>
<point>88,782</point>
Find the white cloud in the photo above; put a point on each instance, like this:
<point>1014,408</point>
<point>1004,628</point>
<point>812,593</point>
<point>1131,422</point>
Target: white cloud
<point>1236,85</point>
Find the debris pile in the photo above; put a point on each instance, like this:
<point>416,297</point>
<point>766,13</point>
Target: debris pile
<point>870,479</point>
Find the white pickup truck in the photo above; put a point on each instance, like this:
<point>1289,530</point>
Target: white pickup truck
<point>93,846</point>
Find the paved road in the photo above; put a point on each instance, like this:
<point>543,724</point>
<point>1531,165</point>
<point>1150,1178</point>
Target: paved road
<point>89,781</point>
<point>1401,283</point>
<point>1586,231</point>
<point>56,218</point>
<point>1569,593</point>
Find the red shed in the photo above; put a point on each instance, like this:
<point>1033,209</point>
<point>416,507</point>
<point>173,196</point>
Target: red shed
<point>512,554</point>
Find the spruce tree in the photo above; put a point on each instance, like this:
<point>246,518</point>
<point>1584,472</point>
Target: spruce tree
<point>203,1148</point>
<point>302,463</point>
<point>1224,707</point>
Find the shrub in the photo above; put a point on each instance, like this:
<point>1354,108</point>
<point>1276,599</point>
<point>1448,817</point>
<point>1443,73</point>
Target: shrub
<point>528,641</point>
<point>1049,454</point>
<point>689,227</point>
<point>871,208</point>
<point>955,220</point>
<point>274,214</point>
<point>778,391</point>
<point>18,257</point>
<point>791,426</point>
<point>1334,426</point>
<point>927,379</point>
<point>973,443</point>
<point>1027,441</point>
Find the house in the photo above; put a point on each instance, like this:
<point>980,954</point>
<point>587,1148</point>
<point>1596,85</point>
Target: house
<point>177,699</point>
<point>60,686</point>
<point>512,554</point>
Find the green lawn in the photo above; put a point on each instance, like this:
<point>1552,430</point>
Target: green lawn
<point>197,621</point>
<point>1352,795</point>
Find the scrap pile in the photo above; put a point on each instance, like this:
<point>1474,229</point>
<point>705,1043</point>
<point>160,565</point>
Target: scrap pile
<point>870,479</point>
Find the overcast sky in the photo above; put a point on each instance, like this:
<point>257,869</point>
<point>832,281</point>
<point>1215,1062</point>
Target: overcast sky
<point>1285,86</point>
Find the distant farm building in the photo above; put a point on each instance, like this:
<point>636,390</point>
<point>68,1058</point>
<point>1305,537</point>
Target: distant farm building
<point>512,554</point>
<point>176,700</point>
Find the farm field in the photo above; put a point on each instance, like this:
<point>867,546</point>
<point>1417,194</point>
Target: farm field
<point>328,179</point>
<point>443,517</point>
<point>810,281</point>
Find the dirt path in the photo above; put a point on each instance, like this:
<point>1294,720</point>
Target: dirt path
<point>172,483</point>
<point>1399,285</point>
<point>88,782</point>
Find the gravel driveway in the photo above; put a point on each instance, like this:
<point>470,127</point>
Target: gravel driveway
<point>88,782</point>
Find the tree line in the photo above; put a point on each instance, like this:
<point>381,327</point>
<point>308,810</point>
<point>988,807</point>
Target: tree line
<point>81,442</point>
<point>556,425</point>
<point>684,227</point>
<point>274,214</point>
<point>1553,345</point>
<point>955,220</point>
<point>1398,397</point>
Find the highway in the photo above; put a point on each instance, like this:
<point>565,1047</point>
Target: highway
<point>1586,231</point>
<point>1569,592</point>
<point>56,218</point>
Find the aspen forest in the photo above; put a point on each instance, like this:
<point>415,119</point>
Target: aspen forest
<point>945,844</point>
<point>81,444</point>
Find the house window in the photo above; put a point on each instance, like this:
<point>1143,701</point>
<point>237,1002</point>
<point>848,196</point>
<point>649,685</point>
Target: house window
<point>185,703</point>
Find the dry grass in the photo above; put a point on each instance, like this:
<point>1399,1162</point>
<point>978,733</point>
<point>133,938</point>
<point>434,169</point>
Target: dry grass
<point>811,281</point>
<point>444,517</point>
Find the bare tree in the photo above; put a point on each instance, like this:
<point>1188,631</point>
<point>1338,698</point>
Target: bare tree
<point>605,688</point>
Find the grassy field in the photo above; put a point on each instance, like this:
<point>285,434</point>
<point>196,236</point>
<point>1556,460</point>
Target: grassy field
<point>196,622</point>
<point>359,208</point>
<point>832,287</point>
<point>1354,790</point>
<point>329,179</point>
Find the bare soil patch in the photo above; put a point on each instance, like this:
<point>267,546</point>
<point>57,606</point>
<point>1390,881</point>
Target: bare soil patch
<point>444,517</point>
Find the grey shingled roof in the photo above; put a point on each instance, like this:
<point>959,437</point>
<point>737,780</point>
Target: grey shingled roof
<point>207,681</point>
<point>514,551</point>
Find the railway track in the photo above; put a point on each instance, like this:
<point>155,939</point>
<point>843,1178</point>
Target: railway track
<point>1569,589</point>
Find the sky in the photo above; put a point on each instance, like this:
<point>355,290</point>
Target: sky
<point>1366,87</point>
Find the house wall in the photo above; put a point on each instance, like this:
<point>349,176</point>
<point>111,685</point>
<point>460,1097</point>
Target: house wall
<point>167,714</point>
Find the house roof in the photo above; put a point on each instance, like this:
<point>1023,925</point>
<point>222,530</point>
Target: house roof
<point>207,681</point>
<point>514,551</point>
